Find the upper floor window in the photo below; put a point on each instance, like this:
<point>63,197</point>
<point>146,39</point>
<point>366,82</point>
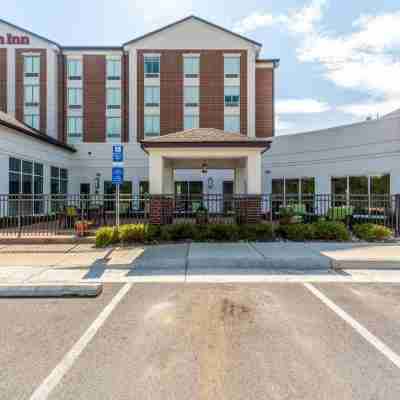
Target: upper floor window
<point>31,95</point>
<point>232,123</point>
<point>190,122</point>
<point>152,66</point>
<point>113,97</point>
<point>232,96</point>
<point>191,67</point>
<point>32,119</point>
<point>74,69</point>
<point>151,125</point>
<point>152,96</point>
<point>32,65</point>
<point>75,97</point>
<point>191,96</point>
<point>75,129</point>
<point>114,129</point>
<point>114,68</point>
<point>231,67</point>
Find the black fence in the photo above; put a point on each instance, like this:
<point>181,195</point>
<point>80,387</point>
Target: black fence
<point>36,215</point>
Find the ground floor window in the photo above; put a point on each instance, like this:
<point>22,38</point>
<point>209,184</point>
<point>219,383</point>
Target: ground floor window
<point>58,188</point>
<point>360,191</point>
<point>125,192</point>
<point>25,178</point>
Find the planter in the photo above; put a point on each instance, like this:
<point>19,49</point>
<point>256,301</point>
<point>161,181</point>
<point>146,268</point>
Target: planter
<point>81,228</point>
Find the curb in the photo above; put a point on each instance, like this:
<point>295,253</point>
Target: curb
<point>365,265</point>
<point>47,240</point>
<point>50,290</point>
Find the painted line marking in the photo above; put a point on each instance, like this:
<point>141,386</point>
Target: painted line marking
<point>44,390</point>
<point>360,329</point>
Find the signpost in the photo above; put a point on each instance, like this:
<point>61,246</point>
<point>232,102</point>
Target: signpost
<point>117,174</point>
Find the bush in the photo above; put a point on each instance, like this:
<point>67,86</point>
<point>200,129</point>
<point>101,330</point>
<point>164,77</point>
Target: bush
<point>133,233</point>
<point>106,236</point>
<point>153,233</point>
<point>254,232</point>
<point>223,232</point>
<point>371,232</point>
<point>331,230</point>
<point>176,232</point>
<point>300,232</point>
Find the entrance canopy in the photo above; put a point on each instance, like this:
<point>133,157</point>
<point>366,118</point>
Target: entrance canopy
<point>205,147</point>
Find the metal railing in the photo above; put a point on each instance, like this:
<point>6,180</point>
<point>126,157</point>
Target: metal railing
<point>46,215</point>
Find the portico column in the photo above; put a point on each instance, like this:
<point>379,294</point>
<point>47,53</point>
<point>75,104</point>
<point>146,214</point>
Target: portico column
<point>253,170</point>
<point>156,173</point>
<point>239,177</point>
<point>168,178</point>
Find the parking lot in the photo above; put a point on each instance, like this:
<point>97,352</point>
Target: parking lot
<point>205,341</point>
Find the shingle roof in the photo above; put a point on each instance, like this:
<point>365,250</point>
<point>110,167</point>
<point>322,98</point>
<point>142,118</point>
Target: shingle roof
<point>203,137</point>
<point>10,122</point>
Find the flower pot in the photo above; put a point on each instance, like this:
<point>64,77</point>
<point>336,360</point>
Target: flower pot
<point>81,228</point>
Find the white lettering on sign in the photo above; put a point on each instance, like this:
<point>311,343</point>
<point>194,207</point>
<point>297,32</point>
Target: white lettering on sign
<point>14,39</point>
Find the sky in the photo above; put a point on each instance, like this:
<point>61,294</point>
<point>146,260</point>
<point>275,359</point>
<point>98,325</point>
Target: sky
<point>340,59</point>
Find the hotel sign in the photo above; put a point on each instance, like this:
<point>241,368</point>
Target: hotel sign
<point>8,38</point>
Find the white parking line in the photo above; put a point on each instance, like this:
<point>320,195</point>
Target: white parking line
<point>364,332</point>
<point>43,391</point>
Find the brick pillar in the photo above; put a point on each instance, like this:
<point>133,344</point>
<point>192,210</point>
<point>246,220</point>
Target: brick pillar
<point>249,209</point>
<point>161,210</point>
<point>397,214</point>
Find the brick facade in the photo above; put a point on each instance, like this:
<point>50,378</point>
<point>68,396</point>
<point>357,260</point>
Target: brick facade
<point>62,98</point>
<point>3,79</point>
<point>94,98</point>
<point>19,85</point>
<point>264,102</point>
<point>125,98</point>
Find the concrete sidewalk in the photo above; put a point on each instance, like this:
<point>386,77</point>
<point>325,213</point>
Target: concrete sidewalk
<point>188,261</point>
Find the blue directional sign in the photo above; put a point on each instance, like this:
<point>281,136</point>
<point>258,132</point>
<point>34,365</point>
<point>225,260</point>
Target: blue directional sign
<point>117,175</point>
<point>118,153</point>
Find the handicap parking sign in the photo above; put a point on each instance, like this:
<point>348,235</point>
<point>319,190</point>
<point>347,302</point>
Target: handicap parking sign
<point>118,153</point>
<point>117,175</point>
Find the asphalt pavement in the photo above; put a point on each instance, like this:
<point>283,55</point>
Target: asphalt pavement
<point>205,341</point>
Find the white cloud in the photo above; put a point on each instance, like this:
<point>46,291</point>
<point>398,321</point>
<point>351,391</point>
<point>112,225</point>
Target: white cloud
<point>255,21</point>
<point>371,109</point>
<point>301,106</point>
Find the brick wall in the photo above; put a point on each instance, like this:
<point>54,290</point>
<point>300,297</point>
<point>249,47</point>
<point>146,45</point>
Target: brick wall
<point>171,89</point>
<point>3,79</point>
<point>125,98</point>
<point>19,85</point>
<point>264,102</point>
<point>94,98</point>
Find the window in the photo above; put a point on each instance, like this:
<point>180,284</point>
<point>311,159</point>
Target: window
<point>113,69</point>
<point>151,66</point>
<point>75,128</point>
<point>151,96</point>
<point>113,98</point>
<point>74,69</point>
<point>32,65</point>
<point>58,180</point>
<point>191,122</point>
<point>191,67</point>
<point>114,129</point>
<point>32,120</point>
<point>25,177</point>
<point>232,96</point>
<point>358,185</point>
<point>191,96</point>
<point>293,190</point>
<point>151,125</point>
<point>380,184</point>
<point>75,97</point>
<point>31,95</point>
<point>232,67</point>
<point>232,123</point>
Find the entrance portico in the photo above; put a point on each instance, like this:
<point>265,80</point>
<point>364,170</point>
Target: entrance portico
<point>205,148</point>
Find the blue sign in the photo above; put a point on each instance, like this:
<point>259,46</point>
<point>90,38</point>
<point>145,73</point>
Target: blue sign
<point>118,153</point>
<point>117,175</point>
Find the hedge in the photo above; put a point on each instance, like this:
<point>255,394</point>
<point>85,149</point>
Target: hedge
<point>372,232</point>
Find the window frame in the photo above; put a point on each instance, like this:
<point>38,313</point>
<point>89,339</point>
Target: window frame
<point>152,89</point>
<point>152,133</point>
<point>76,133</point>
<point>227,126</point>
<point>151,60</point>
<point>77,72</point>
<point>195,117</point>
<point>193,62</point>
<point>190,100</point>
<point>229,71</point>
<point>231,99</point>
<point>32,61</point>
<point>113,137</point>
<point>110,69</point>
<point>29,119</point>
<point>34,92</point>
<point>77,97</point>
<point>118,97</point>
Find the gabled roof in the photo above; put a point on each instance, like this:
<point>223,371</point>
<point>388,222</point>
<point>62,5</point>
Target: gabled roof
<point>203,137</point>
<point>10,122</point>
<point>193,17</point>
<point>393,114</point>
<point>29,32</point>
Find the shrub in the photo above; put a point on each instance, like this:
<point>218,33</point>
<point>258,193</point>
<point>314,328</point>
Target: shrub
<point>371,232</point>
<point>331,230</point>
<point>152,233</point>
<point>223,232</point>
<point>180,231</point>
<point>106,236</point>
<point>133,233</point>
<point>254,232</point>
<point>300,232</point>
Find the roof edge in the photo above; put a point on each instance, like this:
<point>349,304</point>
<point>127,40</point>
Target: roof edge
<point>254,143</point>
<point>40,136</point>
<point>187,19</point>
<point>31,33</point>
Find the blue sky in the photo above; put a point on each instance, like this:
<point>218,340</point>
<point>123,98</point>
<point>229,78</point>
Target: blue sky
<point>340,60</point>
